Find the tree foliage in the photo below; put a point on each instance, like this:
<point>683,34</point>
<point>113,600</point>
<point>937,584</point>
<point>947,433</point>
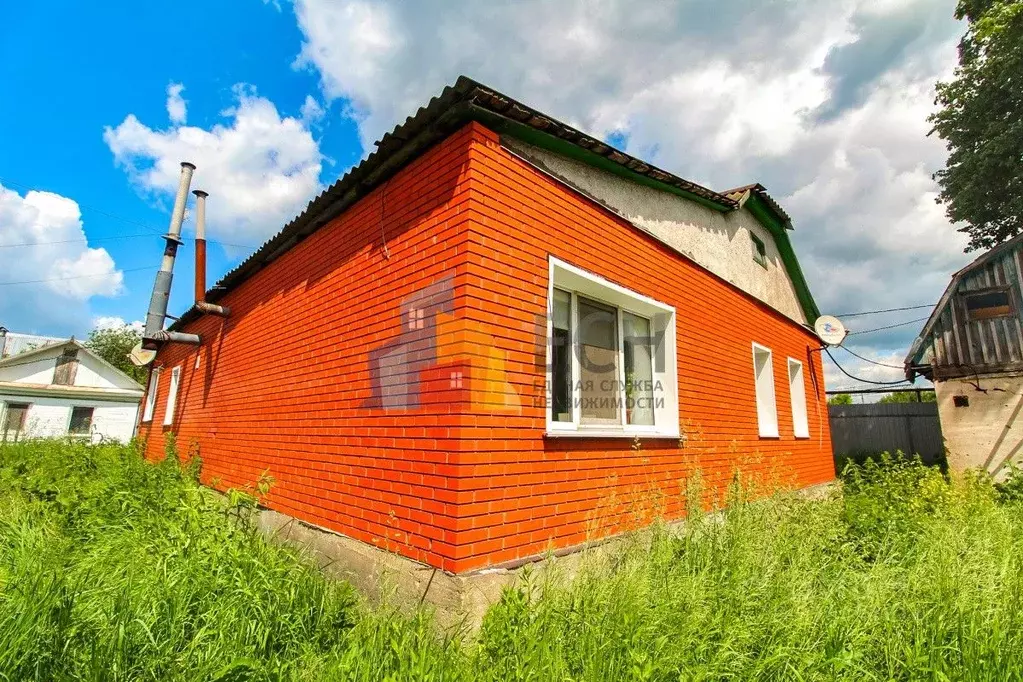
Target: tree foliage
<point>981,120</point>
<point>925,397</point>
<point>113,345</point>
<point>840,399</point>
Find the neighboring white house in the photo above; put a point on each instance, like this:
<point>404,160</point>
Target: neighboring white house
<point>61,389</point>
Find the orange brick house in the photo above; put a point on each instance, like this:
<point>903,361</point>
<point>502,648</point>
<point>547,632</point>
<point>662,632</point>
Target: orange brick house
<point>497,335</point>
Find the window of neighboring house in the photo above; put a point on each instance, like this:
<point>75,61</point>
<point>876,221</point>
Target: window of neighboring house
<point>15,416</point>
<point>987,303</point>
<point>759,249</point>
<point>767,408</point>
<point>154,385</point>
<point>81,421</point>
<point>611,362</point>
<point>67,367</point>
<point>797,393</point>
<point>172,396</point>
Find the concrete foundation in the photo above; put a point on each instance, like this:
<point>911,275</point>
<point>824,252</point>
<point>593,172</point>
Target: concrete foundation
<point>459,601</point>
<point>981,422</point>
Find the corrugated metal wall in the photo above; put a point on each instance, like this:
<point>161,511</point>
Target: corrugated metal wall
<point>957,341</point>
<point>911,428</point>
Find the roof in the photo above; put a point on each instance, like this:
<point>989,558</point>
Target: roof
<point>21,357</point>
<point>977,263</point>
<point>741,195</point>
<point>469,100</point>
<point>17,343</point>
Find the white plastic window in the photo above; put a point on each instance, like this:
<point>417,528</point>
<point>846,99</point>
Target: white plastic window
<point>767,408</point>
<point>172,396</point>
<point>797,391</point>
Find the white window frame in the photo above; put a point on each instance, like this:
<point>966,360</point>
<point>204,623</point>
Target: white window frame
<point>154,386</point>
<point>763,386</point>
<point>579,282</point>
<point>172,396</point>
<point>797,394</point>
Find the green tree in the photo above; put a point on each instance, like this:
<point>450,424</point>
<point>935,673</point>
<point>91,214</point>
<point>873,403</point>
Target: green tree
<point>113,345</point>
<point>981,120</point>
<point>840,399</point>
<point>925,397</point>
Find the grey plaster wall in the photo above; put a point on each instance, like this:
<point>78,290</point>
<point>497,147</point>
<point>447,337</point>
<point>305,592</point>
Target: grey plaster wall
<point>720,242</point>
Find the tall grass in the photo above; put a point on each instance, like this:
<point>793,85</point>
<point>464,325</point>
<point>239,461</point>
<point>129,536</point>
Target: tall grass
<point>113,568</point>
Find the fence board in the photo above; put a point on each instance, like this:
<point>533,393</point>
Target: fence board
<point>913,428</point>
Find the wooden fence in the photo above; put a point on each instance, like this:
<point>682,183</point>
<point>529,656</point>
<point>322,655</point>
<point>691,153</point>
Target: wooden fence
<point>912,428</point>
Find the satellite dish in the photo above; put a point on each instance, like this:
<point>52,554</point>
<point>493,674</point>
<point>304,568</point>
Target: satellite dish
<point>140,356</point>
<point>830,330</point>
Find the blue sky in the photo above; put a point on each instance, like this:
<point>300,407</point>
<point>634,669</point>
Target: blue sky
<point>825,103</point>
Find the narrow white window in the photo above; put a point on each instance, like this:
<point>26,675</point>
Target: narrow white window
<point>154,385</point>
<point>797,391</point>
<point>767,408</point>
<point>172,396</point>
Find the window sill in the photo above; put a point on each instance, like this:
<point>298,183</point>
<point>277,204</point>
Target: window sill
<point>771,436</point>
<point>802,437</point>
<point>608,433</point>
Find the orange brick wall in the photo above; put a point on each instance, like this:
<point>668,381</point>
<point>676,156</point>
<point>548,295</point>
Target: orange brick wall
<point>395,395</point>
<point>285,385</point>
<point>524,493</point>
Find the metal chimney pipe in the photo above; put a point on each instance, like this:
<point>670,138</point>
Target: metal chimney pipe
<point>200,259</point>
<point>161,287</point>
<point>3,341</point>
<point>200,245</point>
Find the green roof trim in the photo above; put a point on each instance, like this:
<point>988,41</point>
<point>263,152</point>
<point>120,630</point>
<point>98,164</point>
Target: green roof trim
<point>779,231</point>
<point>572,151</point>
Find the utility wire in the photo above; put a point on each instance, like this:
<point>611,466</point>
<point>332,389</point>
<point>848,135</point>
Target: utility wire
<point>62,279</point>
<point>865,381</point>
<point>890,326</point>
<point>114,216</point>
<point>102,239</point>
<point>887,310</point>
<point>873,362</point>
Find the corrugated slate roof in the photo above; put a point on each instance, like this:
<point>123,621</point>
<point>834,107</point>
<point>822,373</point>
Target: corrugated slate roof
<point>466,100</point>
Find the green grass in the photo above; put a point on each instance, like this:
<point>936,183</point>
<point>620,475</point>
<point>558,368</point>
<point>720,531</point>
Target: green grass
<point>114,568</point>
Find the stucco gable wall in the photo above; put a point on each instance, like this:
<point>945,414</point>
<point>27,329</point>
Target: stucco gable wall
<point>720,242</point>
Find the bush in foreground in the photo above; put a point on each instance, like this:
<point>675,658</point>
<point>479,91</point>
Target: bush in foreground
<point>113,568</point>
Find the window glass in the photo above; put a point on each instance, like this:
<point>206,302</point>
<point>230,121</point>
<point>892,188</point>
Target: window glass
<point>598,362</point>
<point>639,370</point>
<point>81,420</point>
<point>561,358</point>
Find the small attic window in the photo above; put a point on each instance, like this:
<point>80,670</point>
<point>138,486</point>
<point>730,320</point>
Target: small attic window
<point>759,249</point>
<point>987,303</point>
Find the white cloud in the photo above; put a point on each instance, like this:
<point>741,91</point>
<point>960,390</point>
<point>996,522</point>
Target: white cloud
<point>260,168</point>
<point>176,108</point>
<point>114,322</point>
<point>43,244</point>
<point>823,102</point>
<point>311,110</point>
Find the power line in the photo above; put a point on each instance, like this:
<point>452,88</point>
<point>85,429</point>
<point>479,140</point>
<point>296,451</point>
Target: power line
<point>873,362</point>
<point>887,310</point>
<point>865,381</point>
<point>76,241</point>
<point>62,279</point>
<point>890,326</point>
<point>102,239</point>
<point>8,181</point>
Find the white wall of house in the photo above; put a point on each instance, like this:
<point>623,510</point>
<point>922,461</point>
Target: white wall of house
<point>988,432</point>
<point>27,379</point>
<point>49,417</point>
<point>720,242</point>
